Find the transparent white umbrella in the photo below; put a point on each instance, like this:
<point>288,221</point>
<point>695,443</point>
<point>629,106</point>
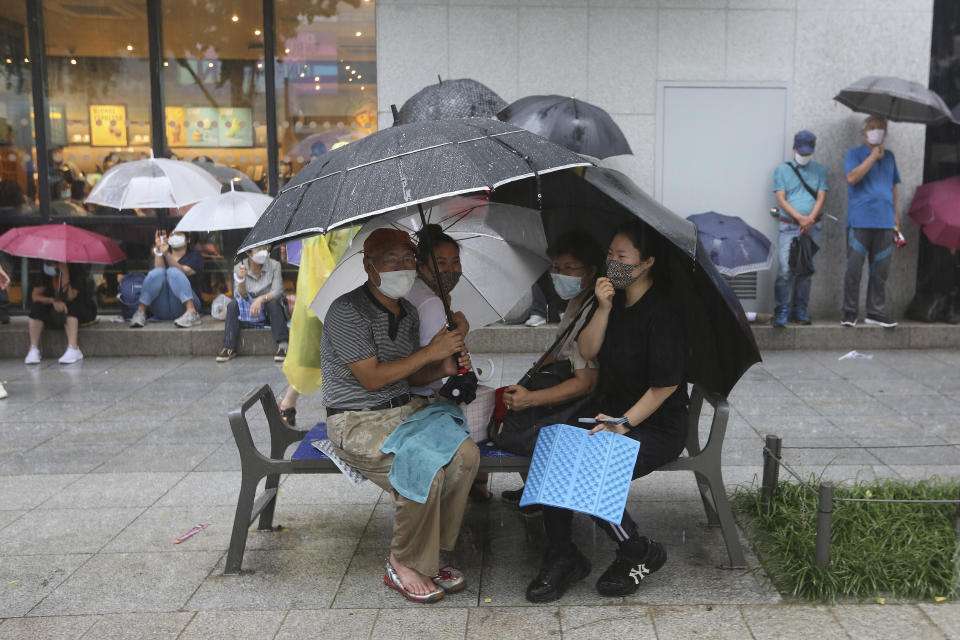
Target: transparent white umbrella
<point>503,250</point>
<point>230,210</point>
<point>153,183</point>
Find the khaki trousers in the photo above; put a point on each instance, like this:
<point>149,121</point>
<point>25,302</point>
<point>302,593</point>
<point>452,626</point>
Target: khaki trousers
<point>420,531</point>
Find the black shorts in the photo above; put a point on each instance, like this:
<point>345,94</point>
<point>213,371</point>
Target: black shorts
<point>52,319</point>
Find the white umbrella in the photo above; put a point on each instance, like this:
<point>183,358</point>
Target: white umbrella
<point>502,251</point>
<point>231,210</point>
<point>153,183</point>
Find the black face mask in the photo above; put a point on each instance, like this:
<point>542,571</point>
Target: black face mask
<point>620,274</point>
<point>448,279</point>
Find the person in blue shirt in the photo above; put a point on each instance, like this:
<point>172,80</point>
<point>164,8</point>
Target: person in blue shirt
<point>801,188</point>
<point>873,219</point>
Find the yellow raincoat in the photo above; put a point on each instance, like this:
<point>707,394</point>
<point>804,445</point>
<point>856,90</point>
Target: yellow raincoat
<point>319,257</point>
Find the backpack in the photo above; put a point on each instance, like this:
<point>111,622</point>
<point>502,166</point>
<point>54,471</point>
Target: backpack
<point>129,293</point>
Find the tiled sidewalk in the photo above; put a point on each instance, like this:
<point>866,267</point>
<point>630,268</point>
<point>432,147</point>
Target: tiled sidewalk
<point>104,463</point>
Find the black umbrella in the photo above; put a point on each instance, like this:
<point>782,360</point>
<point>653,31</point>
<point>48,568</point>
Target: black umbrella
<point>226,175</point>
<point>449,99</point>
<point>404,166</point>
<point>721,346</point>
<point>577,125</point>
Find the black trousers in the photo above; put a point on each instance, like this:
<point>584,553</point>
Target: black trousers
<point>276,316</point>
<point>658,446</point>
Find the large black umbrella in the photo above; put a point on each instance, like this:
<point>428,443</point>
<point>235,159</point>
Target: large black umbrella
<point>404,166</point>
<point>721,346</point>
<point>449,99</point>
<point>577,125</point>
<point>895,99</point>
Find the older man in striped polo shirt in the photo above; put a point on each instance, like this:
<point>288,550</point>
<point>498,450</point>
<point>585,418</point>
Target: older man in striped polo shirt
<point>370,357</point>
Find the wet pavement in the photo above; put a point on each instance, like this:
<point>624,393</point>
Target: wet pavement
<point>105,462</point>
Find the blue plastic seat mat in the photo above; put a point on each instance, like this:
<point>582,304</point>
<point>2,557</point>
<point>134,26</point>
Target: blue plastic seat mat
<point>306,451</point>
<point>574,470</point>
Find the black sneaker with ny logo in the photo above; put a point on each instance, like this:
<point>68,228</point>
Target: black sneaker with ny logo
<point>624,575</point>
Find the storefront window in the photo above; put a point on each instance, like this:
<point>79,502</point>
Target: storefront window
<point>98,93</point>
<point>214,86</point>
<point>326,77</point>
<point>18,192</point>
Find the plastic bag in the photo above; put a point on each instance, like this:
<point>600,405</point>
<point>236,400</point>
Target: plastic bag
<point>218,308</point>
<point>802,250</point>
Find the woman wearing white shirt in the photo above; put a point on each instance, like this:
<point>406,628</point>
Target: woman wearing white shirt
<point>424,295</point>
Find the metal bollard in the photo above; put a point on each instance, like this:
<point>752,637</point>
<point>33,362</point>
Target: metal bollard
<point>824,525</point>
<point>771,467</point>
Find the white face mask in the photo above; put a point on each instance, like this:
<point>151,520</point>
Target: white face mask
<point>802,160</point>
<point>567,287</point>
<point>876,136</point>
<point>260,257</point>
<point>50,270</point>
<point>396,284</point>
<point>176,241</point>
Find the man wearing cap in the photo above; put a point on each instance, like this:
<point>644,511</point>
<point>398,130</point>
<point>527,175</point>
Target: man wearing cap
<point>801,188</point>
<point>370,358</point>
<point>872,222</point>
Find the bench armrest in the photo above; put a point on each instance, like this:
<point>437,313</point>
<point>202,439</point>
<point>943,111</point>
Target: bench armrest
<point>281,434</point>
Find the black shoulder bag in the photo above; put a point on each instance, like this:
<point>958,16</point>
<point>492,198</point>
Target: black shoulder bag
<point>802,248</point>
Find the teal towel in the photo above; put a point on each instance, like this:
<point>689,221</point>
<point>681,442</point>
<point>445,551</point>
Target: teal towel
<point>422,444</point>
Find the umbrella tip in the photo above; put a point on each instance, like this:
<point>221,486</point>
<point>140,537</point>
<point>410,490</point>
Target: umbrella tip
<point>396,114</point>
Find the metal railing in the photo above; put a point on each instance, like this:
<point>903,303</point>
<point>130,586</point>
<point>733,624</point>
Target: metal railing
<point>773,462</point>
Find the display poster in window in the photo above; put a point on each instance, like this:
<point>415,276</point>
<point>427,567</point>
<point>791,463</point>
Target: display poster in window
<point>236,127</point>
<point>58,125</point>
<point>176,118</point>
<point>202,127</point>
<point>108,125</point>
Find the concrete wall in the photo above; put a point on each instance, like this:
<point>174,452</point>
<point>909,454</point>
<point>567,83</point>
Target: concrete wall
<point>613,52</point>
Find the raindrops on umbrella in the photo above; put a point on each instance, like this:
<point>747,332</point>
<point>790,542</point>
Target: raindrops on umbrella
<point>448,99</point>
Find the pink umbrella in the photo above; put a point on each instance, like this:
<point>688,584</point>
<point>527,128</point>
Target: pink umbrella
<point>61,243</point>
<point>936,208</point>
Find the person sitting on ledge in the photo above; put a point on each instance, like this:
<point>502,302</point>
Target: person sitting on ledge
<point>171,289</point>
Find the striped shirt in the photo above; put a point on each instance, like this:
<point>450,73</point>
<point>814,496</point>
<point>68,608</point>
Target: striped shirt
<point>358,327</point>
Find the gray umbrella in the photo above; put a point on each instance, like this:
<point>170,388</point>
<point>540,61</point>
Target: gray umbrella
<point>575,124</point>
<point>448,99</point>
<point>895,99</point>
<point>404,166</point>
<point>225,175</point>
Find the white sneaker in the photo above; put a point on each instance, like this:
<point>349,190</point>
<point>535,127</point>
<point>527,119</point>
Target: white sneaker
<point>138,320</point>
<point>33,356</point>
<point>70,356</point>
<point>3,392</point>
<point>535,321</point>
<point>188,319</point>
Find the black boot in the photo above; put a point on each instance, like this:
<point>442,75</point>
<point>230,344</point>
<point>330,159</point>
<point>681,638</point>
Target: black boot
<point>560,569</point>
<point>636,559</point>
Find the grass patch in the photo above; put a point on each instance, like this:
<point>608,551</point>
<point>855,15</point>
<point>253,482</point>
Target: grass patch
<point>907,551</point>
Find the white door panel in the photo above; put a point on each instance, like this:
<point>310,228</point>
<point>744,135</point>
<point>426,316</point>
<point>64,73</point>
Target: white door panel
<point>718,145</point>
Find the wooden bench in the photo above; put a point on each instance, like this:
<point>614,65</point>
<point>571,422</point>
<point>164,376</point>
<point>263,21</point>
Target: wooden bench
<point>705,462</point>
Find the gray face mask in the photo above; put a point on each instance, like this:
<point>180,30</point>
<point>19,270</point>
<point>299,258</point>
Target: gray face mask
<point>448,279</point>
<point>620,274</point>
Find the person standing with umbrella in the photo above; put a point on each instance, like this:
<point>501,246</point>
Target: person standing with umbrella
<point>873,220</point>
<point>638,341</point>
<point>64,301</point>
<point>801,189</point>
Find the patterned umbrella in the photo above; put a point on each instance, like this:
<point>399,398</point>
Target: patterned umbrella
<point>448,99</point>
<point>734,246</point>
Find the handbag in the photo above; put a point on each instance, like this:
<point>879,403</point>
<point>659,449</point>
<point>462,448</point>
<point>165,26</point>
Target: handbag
<point>802,250</point>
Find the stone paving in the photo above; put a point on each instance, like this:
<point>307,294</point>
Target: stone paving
<point>104,463</point>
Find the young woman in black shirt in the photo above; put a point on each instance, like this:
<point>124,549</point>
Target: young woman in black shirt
<point>638,341</point>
